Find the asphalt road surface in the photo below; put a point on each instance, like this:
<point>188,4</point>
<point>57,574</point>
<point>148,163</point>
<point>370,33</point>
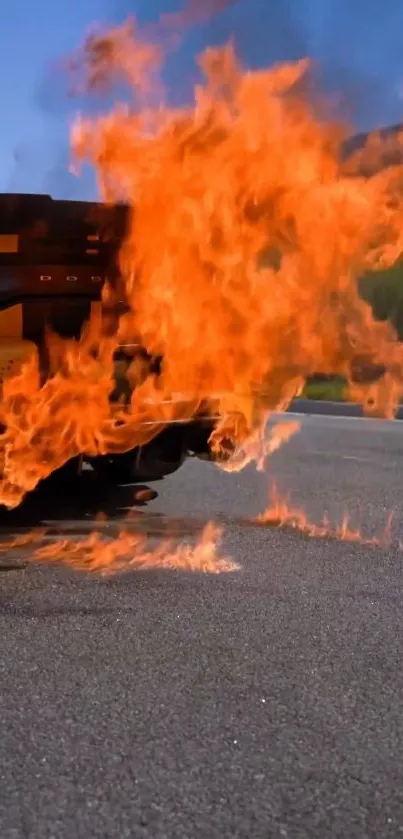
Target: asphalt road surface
<point>262,703</point>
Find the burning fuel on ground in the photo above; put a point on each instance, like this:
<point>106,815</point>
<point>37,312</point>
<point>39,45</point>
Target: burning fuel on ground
<point>248,230</point>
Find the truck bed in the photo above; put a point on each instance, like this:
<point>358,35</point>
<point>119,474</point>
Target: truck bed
<point>54,248</point>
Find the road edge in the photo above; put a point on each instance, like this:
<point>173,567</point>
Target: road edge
<point>324,407</point>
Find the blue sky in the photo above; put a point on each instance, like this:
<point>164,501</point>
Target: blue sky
<point>358,44</point>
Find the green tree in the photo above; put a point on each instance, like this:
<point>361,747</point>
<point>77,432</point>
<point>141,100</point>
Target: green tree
<point>383,290</point>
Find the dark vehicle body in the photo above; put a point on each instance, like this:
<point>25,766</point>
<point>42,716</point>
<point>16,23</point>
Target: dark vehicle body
<point>55,257</point>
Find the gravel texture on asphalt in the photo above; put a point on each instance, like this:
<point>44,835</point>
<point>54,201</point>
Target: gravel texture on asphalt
<point>263,703</point>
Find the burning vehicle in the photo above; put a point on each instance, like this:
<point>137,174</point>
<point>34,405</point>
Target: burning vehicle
<point>217,274</point>
<point>56,260</point>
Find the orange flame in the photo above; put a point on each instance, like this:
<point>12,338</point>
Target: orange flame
<point>281,513</point>
<point>247,234</point>
<point>130,551</point>
<point>258,446</point>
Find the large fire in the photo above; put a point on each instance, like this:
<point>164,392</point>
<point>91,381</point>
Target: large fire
<point>247,233</point>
